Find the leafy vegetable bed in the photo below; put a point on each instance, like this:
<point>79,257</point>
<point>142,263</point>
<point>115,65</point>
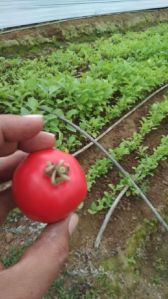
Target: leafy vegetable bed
<point>147,163</point>
<point>92,83</point>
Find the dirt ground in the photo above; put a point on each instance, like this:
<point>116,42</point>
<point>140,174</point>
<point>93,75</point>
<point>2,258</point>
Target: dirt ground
<point>132,260</point>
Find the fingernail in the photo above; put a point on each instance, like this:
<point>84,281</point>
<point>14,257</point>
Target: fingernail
<point>50,134</point>
<point>33,115</point>
<point>73,223</point>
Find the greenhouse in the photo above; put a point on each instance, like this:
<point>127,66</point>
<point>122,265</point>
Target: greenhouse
<point>84,130</point>
<point>22,12</point>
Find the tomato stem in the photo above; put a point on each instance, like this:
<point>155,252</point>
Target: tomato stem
<point>58,172</point>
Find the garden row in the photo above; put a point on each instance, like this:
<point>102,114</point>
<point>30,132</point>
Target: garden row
<point>157,112</point>
<point>147,161</point>
<point>91,83</point>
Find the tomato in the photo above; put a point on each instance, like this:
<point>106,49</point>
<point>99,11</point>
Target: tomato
<point>48,185</point>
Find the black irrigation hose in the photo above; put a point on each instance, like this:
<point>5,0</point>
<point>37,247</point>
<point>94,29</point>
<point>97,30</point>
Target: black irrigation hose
<point>120,168</point>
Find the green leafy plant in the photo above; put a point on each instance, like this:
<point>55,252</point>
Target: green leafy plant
<point>158,111</point>
<point>92,82</point>
<point>144,169</point>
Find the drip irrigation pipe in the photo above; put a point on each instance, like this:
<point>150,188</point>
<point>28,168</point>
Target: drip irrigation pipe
<point>120,168</point>
<point>83,149</point>
<point>108,216</point>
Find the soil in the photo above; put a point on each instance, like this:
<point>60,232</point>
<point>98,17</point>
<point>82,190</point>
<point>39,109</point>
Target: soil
<point>136,20</point>
<point>130,211</point>
<point>124,130</point>
<point>87,264</point>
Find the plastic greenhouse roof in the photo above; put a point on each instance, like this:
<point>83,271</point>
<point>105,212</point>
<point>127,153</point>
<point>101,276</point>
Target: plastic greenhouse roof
<point>15,13</point>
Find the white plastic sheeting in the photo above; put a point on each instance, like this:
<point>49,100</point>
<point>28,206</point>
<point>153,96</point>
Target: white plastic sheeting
<point>25,12</point>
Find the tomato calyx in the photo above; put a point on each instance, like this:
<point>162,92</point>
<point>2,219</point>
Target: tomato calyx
<point>58,172</point>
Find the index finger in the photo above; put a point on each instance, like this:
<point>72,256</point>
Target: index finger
<point>14,128</point>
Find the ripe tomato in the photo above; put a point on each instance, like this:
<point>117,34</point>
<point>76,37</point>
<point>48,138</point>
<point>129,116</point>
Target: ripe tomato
<point>48,185</point>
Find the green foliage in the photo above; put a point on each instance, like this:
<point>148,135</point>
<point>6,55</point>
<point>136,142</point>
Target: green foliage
<point>14,214</point>
<point>144,169</point>
<point>80,289</point>
<point>13,256</point>
<point>158,111</point>
<point>91,82</point>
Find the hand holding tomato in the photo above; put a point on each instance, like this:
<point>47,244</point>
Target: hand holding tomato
<point>42,261</point>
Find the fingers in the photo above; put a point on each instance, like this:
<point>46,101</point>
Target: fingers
<point>40,265</point>
<point>6,204</point>
<point>14,129</point>
<point>42,140</point>
<point>23,133</point>
<point>52,231</point>
<point>8,165</point>
<point>7,148</point>
<point>54,239</point>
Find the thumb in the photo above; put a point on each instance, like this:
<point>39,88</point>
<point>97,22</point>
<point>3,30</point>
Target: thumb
<point>40,264</point>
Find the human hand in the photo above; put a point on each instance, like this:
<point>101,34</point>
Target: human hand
<point>41,263</point>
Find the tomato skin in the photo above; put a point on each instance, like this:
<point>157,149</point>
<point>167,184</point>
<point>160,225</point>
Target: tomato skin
<point>34,193</point>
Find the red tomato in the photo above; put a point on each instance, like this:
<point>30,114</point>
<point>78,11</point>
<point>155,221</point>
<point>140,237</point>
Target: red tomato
<point>44,199</point>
